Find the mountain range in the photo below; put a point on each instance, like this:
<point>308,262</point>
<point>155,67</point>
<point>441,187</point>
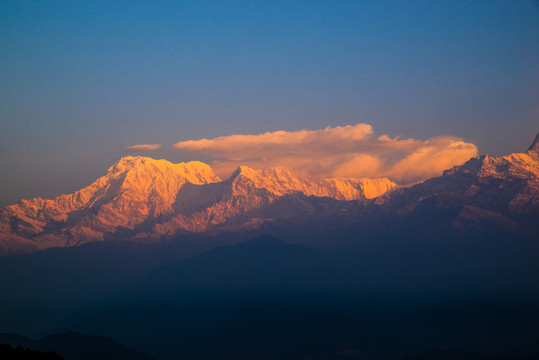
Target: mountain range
<point>142,199</point>
<point>172,261</point>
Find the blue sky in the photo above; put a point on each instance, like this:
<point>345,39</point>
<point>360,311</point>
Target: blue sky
<point>80,81</point>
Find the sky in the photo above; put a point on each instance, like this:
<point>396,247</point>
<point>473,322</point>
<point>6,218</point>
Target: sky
<point>82,82</point>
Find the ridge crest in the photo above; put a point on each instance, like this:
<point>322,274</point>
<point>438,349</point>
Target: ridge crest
<point>534,147</point>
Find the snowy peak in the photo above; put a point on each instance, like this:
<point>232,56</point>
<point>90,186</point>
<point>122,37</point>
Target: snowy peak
<point>140,197</point>
<point>144,198</point>
<point>507,185</point>
<point>194,172</point>
<point>134,190</point>
<point>245,172</point>
<point>534,147</point>
<point>372,188</point>
<point>138,187</point>
<point>524,166</point>
<point>280,181</point>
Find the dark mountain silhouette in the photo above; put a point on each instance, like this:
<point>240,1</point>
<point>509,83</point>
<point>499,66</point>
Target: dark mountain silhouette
<point>44,287</point>
<point>73,346</point>
<point>19,353</point>
<point>465,355</point>
<point>293,301</point>
<point>263,264</point>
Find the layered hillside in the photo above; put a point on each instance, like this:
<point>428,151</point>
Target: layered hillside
<point>145,198</point>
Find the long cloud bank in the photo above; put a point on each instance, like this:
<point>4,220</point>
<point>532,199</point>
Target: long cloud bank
<point>343,151</point>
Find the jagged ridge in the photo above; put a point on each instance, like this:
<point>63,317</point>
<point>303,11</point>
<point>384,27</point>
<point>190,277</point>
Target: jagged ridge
<point>502,190</point>
<point>140,197</point>
<point>133,189</point>
<point>154,199</point>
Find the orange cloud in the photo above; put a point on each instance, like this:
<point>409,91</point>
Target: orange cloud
<point>144,147</point>
<point>346,151</point>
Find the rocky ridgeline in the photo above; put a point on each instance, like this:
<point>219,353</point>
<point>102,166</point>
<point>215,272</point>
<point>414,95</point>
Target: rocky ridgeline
<point>140,197</point>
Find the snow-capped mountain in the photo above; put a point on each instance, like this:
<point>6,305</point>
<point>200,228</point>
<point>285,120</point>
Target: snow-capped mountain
<point>133,189</point>
<point>502,190</point>
<point>141,197</point>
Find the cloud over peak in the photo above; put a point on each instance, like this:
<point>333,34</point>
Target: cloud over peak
<point>144,147</point>
<point>346,151</point>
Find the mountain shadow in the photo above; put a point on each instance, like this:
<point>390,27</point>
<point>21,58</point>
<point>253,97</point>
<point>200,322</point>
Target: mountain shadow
<point>270,299</point>
<point>44,287</point>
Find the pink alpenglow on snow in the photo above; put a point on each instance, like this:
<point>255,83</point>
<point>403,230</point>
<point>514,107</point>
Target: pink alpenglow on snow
<point>342,151</point>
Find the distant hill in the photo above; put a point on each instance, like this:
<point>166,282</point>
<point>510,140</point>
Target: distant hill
<point>73,346</point>
<point>465,355</point>
<point>276,300</point>
<point>262,264</point>
<point>19,353</point>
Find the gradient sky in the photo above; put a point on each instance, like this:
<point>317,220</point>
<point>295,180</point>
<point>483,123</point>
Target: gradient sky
<point>81,81</point>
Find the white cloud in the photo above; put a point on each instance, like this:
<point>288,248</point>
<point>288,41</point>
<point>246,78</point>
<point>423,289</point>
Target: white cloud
<point>347,151</point>
<point>144,147</point>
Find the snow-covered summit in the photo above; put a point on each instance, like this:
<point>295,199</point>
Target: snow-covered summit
<point>505,185</point>
<point>193,171</point>
<point>280,181</point>
<point>141,196</point>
